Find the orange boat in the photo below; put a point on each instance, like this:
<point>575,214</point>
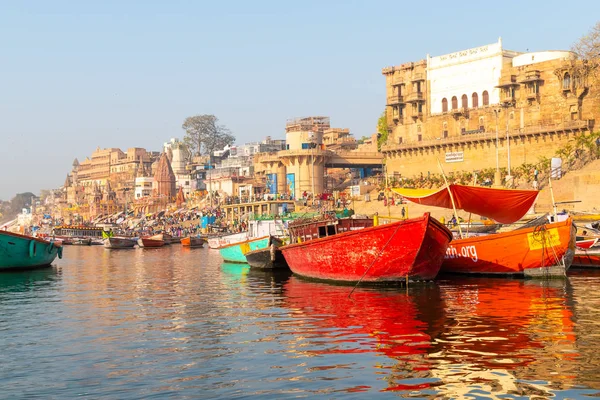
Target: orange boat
<point>544,250</point>
<point>192,241</point>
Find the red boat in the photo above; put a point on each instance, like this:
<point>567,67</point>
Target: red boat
<point>192,241</point>
<point>589,258</point>
<point>411,249</point>
<point>586,243</point>
<point>151,241</point>
<point>543,250</point>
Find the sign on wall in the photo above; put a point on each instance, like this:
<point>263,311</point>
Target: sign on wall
<point>455,156</point>
<point>272,183</point>
<point>291,185</point>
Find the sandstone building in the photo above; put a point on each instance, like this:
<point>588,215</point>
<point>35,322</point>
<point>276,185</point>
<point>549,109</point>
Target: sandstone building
<point>484,107</point>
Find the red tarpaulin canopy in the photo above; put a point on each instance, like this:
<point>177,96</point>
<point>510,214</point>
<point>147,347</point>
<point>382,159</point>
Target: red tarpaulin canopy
<point>503,205</point>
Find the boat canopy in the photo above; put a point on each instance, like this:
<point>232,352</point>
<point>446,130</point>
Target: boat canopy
<point>502,205</point>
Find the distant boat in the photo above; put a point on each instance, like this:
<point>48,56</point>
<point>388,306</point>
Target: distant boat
<point>151,241</point>
<point>192,241</point>
<point>236,252</point>
<point>21,251</point>
<point>117,242</point>
<point>411,249</point>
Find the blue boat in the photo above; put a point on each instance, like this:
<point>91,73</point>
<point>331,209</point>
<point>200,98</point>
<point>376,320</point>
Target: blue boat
<point>20,251</point>
<point>236,252</point>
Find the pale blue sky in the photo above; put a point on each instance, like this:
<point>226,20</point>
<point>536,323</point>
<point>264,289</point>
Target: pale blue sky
<point>76,75</point>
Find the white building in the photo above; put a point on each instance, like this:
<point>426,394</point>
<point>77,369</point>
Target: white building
<point>143,186</point>
<point>468,78</point>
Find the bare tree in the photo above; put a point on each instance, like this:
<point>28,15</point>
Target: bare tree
<point>587,50</point>
<point>203,134</point>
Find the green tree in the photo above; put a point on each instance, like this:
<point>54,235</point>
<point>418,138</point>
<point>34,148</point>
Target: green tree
<point>382,130</point>
<point>203,134</point>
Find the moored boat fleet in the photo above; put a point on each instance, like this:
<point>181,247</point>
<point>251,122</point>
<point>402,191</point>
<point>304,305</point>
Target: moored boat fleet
<point>378,250</point>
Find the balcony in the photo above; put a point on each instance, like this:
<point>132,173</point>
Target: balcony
<point>457,112</point>
<point>532,96</point>
<point>508,82</point>
<point>417,115</point>
<point>397,81</point>
<point>395,99</point>
<point>531,76</point>
<point>418,77</point>
<point>415,97</point>
<point>507,98</point>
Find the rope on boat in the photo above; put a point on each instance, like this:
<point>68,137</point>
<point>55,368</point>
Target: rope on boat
<point>541,231</point>
<point>377,257</point>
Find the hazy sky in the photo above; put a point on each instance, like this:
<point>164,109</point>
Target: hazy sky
<point>75,75</point>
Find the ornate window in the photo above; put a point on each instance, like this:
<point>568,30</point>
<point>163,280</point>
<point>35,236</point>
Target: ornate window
<point>486,98</point>
<point>444,105</point>
<point>454,103</point>
<point>464,100</point>
<point>474,100</point>
<point>566,84</point>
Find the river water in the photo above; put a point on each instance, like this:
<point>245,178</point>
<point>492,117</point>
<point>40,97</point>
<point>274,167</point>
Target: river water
<point>177,323</point>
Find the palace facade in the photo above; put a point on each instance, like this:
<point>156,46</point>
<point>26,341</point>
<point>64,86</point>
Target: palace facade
<point>484,107</point>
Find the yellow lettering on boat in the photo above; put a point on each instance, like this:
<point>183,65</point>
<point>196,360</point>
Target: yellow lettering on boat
<point>545,238</point>
<point>245,247</point>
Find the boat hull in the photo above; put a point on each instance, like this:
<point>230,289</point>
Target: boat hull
<point>268,258</point>
<point>192,241</point>
<point>236,252</point>
<point>410,249</point>
<point>21,252</point>
<point>220,241</point>
<point>529,252</point>
<point>587,258</point>
<point>150,243</point>
<point>119,243</point>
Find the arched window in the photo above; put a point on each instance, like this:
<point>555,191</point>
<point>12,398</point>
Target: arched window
<point>454,103</point>
<point>464,101</point>
<point>486,98</point>
<point>444,105</point>
<point>474,100</point>
<point>567,81</point>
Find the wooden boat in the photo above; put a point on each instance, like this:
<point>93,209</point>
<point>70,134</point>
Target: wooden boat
<point>542,250</point>
<point>214,242</point>
<point>192,241</point>
<point>80,242</point>
<point>270,257</point>
<point>587,258</point>
<point>118,242</point>
<point>20,251</point>
<point>151,241</point>
<point>410,249</point>
<point>546,250</point>
<point>236,252</point>
<point>586,243</point>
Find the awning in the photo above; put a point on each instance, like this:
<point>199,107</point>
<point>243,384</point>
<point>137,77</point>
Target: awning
<point>503,205</point>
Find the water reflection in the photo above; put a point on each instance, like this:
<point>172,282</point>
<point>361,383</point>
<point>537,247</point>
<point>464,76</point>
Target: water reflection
<point>27,280</point>
<point>175,323</point>
<point>506,336</point>
<point>398,324</point>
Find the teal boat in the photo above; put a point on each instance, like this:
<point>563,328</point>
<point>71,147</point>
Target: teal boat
<point>236,252</point>
<point>20,251</point>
